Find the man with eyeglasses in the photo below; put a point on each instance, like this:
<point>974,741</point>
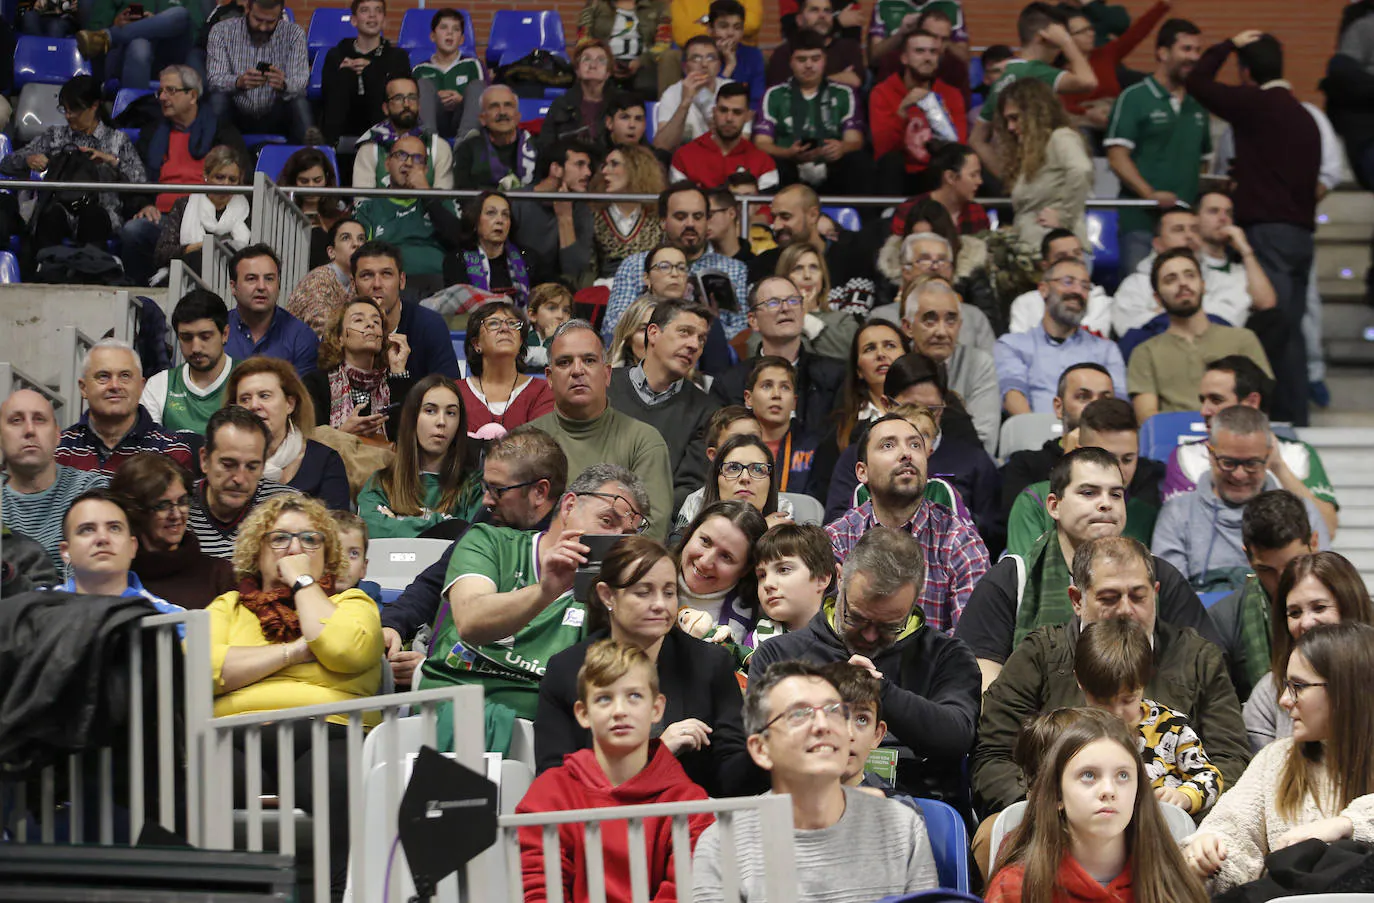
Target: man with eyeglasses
<point>424,229</point>
<point>98,546</point>
<point>235,450</point>
<point>776,315</point>
<point>1028,308</point>
<point>892,464</point>
<point>850,845</point>
<point>1112,577</point>
<point>173,151</point>
<point>683,113</point>
<point>358,72</point>
<point>1165,370</point>
<point>591,431</point>
<point>929,680</point>
<point>657,391</point>
<point>258,67</point>
<point>1200,532</point>
<point>925,257</point>
<point>511,591</point>
<point>401,107</point>
<point>115,426</point>
<point>500,154</point>
<point>1029,363</point>
<point>710,159</point>
<point>722,223</point>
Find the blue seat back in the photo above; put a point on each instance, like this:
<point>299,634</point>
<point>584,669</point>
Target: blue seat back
<point>415,33</point>
<point>6,148</point>
<point>650,111</point>
<point>1163,433</point>
<point>314,88</point>
<point>9,269</point>
<point>125,97</point>
<point>274,156</point>
<point>948,842</point>
<point>1210,599</point>
<point>846,218</point>
<point>48,61</point>
<point>328,26</point>
<point>534,108</point>
<point>514,33</point>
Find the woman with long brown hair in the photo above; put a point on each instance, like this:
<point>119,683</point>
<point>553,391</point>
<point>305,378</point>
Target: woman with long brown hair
<point>1044,160</point>
<point>1092,825</point>
<point>1316,784</point>
<point>1323,588</point>
<point>362,377</point>
<point>431,479</point>
<point>624,228</point>
<point>305,169</point>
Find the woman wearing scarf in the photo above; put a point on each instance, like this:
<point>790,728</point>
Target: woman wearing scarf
<point>269,387</point>
<point>362,378</point>
<point>488,260</point>
<point>497,396</point>
<point>283,639</point>
<point>197,218</point>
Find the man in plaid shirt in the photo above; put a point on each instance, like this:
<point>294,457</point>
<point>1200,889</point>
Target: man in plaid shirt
<point>892,464</point>
<point>258,70</point>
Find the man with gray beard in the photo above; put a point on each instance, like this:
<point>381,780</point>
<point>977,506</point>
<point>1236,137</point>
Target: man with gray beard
<point>1029,363</point>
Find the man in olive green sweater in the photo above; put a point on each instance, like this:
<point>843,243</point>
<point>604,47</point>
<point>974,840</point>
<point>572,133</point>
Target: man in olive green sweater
<point>590,431</point>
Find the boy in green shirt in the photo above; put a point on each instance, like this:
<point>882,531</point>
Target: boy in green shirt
<point>450,75</point>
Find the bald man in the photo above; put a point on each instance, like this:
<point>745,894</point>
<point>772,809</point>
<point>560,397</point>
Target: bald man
<point>38,491</point>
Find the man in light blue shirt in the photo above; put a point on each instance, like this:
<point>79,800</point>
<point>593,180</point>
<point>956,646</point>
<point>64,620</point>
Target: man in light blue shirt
<point>1029,363</point>
<point>257,326</point>
<point>682,212</point>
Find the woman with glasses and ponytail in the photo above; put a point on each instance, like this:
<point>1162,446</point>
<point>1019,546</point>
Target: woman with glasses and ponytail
<point>741,471</point>
<point>497,396</point>
<point>284,638</point>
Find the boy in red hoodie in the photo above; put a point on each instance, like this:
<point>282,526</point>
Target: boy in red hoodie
<point>618,700</point>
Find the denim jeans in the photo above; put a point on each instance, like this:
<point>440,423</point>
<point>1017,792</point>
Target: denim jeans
<point>138,240</point>
<point>1135,247</point>
<point>152,42</point>
<point>287,117</point>
<point>34,23</point>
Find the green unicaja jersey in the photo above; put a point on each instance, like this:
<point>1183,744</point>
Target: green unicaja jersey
<point>184,409</point>
<point>509,669</point>
<point>1018,69</point>
<point>456,76</point>
<point>789,116</point>
<point>888,15</point>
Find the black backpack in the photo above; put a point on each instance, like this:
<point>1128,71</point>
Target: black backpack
<point>86,265</point>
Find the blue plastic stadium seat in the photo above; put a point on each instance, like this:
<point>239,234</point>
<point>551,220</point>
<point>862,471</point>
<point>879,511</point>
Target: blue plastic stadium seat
<point>125,97</point>
<point>415,33</point>
<point>532,108</point>
<point>314,89</point>
<point>948,841</point>
<point>1163,433</point>
<point>48,61</point>
<point>258,140</point>
<point>846,218</point>
<point>288,15</point>
<point>514,33</point>
<point>6,148</point>
<point>1106,245</point>
<point>1210,599</point>
<point>975,72</point>
<point>650,109</point>
<point>273,157</point>
<point>9,268</point>
<point>329,26</point>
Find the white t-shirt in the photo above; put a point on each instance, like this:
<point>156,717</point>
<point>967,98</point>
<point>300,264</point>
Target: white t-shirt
<point>698,117</point>
<point>1029,309</point>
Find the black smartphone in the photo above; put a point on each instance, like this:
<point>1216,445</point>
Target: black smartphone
<point>716,289</point>
<point>599,545</point>
<point>136,9</point>
<point>264,68</point>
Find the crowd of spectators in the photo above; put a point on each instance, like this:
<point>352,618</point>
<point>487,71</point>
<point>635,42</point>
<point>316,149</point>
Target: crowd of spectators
<point>953,626</point>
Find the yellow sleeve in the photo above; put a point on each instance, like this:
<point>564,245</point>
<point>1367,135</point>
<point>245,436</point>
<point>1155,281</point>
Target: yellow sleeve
<point>221,626</point>
<point>352,638</point>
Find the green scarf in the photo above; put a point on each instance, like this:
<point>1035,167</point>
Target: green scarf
<point>1045,597</point>
<point>1254,629</point>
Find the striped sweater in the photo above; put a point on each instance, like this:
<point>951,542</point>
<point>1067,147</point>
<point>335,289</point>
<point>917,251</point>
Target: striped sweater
<point>39,515</point>
<point>216,537</point>
<point>83,449</point>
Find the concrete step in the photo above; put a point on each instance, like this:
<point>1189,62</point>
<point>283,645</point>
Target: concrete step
<point>1355,233</point>
<point>1357,502</point>
<point>1353,539</point>
<point>1323,437</point>
<point>1348,466</point>
<point>1346,207</point>
<point>1344,261</point>
<point>1363,559</point>
<point>1342,289</point>
<point>1356,517</point>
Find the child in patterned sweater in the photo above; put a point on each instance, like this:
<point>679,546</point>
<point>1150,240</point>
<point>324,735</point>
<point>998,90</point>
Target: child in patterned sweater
<point>1113,662</point>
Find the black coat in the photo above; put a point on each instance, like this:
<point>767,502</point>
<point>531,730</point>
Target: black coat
<point>697,679</point>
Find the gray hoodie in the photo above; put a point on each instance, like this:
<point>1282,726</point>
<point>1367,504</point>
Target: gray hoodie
<point>1199,533</point>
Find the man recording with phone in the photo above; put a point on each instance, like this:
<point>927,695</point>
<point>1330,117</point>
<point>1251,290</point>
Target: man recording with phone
<point>510,592</point>
<point>258,69</point>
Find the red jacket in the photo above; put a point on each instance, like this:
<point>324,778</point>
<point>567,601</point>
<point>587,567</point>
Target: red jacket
<point>702,161</point>
<point>1074,885</point>
<point>1106,58</point>
<point>579,783</point>
<point>888,124</point>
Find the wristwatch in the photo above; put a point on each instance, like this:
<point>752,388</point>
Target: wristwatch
<point>301,583</point>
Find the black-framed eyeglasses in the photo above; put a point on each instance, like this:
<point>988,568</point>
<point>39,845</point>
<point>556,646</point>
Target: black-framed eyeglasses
<point>169,91</point>
<point>1231,465</point>
<point>404,98</point>
<point>1294,688</point>
<point>401,157</point>
<point>623,508</point>
<point>799,717</point>
<point>888,629</point>
<point>733,470</point>
<point>496,324</point>
<point>497,491</point>
<point>280,540</point>
<point>776,303</point>
<point>667,266</point>
<point>166,505</point>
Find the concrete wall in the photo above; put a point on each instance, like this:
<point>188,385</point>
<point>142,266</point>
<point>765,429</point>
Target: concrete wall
<point>32,318</point>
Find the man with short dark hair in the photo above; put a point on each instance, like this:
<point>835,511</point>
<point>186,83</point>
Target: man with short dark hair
<point>256,324</point>
<point>682,211</point>
<point>929,680</point>
<point>326,288</point>
<point>917,95</point>
<point>98,546</point>
<point>1084,499</point>
<point>1166,369</point>
<point>1278,159</point>
<point>843,58</point>
<point>1113,577</point>
<point>1029,364</point>
<point>183,398</point>
<point>739,62</point>
<point>399,102</point>
<point>557,236</point>
<point>235,450</point>
<point>1274,530</point>
<point>258,69</point>
<point>358,72</point>
<point>626,124</point>
<point>378,273</point>
<point>683,113</point>
<point>1237,286</point>
<point>710,159</point>
<point>1235,379</point>
<point>796,215</point>
<point>591,431</point>
<point>115,426</point>
<point>1156,135</point>
<point>657,391</point>
<point>1199,532</point>
<point>722,224</point>
<point>892,464</point>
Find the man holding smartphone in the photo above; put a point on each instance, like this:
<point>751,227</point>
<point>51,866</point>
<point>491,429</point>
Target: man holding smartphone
<point>258,70</point>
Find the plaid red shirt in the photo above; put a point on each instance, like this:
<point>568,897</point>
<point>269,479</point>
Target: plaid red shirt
<point>974,219</point>
<point>956,558</point>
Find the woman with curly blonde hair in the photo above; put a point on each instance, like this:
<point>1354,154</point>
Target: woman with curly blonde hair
<point>362,377</point>
<point>1044,160</point>
<point>284,639</point>
<point>625,228</point>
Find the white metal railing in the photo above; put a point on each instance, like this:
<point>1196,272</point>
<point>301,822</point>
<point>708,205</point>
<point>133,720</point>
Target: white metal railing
<point>12,379</point>
<point>84,786</point>
<point>277,221</point>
